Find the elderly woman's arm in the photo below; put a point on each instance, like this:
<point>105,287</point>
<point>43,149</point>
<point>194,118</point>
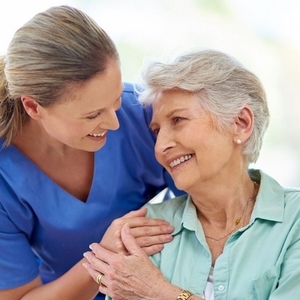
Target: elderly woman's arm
<point>130,277</point>
<point>288,286</point>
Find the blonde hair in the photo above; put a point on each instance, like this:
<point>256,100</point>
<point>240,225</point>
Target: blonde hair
<point>222,85</point>
<point>55,50</point>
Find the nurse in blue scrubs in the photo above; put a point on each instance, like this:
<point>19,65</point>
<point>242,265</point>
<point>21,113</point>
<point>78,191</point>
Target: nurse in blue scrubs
<point>76,154</point>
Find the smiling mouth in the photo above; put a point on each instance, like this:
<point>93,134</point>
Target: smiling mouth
<point>180,160</point>
<point>97,134</point>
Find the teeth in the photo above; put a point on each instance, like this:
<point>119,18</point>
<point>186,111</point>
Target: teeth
<point>97,134</point>
<point>180,160</point>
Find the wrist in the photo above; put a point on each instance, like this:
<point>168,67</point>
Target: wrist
<point>167,291</point>
<point>184,295</point>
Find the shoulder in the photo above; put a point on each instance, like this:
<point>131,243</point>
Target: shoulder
<point>274,201</point>
<point>131,107</point>
<point>292,197</point>
<point>128,87</point>
<point>7,156</point>
<point>271,186</point>
<point>129,94</point>
<point>3,148</point>
<point>168,210</point>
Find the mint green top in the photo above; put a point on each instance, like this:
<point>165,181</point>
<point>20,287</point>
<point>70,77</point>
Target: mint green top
<point>260,261</point>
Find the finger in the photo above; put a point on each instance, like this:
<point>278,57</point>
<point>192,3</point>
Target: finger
<point>104,290</point>
<point>147,241</point>
<point>101,258</point>
<point>150,231</point>
<point>140,222</point>
<point>98,263</point>
<point>136,213</point>
<point>130,243</point>
<point>93,273</point>
<point>152,249</point>
<point>119,246</point>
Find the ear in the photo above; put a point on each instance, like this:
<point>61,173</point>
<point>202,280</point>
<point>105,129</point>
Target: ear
<point>31,106</point>
<point>243,125</point>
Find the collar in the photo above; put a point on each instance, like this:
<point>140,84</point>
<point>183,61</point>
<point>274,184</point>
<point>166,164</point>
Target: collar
<point>269,204</point>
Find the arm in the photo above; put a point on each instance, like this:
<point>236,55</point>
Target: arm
<point>73,285</point>
<point>129,277</point>
<point>76,283</point>
<point>288,284</point>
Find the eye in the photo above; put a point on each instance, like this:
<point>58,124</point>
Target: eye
<point>93,116</point>
<point>155,131</point>
<point>176,119</point>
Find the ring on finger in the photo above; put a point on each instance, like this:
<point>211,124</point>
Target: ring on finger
<point>98,278</point>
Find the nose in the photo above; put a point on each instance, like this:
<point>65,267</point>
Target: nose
<point>164,142</point>
<point>112,121</point>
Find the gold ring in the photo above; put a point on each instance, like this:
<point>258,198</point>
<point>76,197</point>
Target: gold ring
<point>99,277</point>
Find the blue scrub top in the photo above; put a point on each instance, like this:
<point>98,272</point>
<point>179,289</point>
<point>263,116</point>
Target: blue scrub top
<point>38,219</point>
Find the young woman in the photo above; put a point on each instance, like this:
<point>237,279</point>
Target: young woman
<point>76,153</point>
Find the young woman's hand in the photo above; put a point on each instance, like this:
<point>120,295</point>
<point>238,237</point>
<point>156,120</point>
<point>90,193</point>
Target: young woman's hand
<point>150,234</point>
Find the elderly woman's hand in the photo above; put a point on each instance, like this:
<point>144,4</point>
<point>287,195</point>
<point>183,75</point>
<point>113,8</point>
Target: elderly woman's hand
<point>150,234</point>
<point>130,276</point>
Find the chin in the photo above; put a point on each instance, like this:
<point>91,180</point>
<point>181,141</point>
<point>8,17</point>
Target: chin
<point>184,184</point>
<point>90,148</point>
<point>180,185</point>
<point>98,148</point>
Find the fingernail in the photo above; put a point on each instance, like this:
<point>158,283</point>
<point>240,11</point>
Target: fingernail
<point>127,228</point>
<point>91,247</point>
<point>169,237</point>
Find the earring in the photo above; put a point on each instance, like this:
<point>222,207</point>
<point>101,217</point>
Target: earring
<point>238,141</point>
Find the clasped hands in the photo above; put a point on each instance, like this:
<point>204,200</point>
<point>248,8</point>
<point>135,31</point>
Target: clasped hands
<point>122,260</point>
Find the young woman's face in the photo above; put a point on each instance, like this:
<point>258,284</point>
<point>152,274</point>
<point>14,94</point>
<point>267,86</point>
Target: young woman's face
<point>83,120</point>
<point>188,143</point>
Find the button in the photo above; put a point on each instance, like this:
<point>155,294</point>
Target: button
<point>221,288</point>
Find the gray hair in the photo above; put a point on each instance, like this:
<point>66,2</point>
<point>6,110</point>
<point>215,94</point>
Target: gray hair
<point>222,85</point>
<point>56,50</point>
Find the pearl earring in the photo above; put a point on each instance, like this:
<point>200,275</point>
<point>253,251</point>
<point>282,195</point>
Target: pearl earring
<point>238,141</point>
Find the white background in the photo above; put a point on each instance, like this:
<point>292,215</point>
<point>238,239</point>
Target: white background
<point>262,34</point>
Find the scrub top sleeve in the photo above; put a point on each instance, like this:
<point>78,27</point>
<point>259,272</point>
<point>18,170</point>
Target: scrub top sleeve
<point>18,264</point>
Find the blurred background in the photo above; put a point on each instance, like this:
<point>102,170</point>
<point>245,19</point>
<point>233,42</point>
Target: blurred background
<point>261,34</point>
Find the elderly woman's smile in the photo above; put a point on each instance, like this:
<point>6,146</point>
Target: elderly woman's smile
<point>186,140</point>
<point>180,160</point>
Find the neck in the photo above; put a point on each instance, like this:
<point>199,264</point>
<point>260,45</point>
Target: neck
<point>223,206</point>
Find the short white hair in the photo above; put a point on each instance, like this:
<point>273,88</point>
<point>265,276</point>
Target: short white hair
<point>222,85</point>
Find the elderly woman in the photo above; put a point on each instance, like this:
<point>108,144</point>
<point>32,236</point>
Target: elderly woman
<point>237,231</point>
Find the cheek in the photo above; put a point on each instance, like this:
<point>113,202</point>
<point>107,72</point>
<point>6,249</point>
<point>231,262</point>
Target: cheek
<point>60,128</point>
<point>158,157</point>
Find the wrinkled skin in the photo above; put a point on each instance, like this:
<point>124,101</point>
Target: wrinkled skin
<point>130,276</point>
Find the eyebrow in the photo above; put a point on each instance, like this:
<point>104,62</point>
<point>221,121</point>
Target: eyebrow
<point>169,115</point>
<point>100,109</point>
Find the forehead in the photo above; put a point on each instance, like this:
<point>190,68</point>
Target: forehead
<point>175,103</point>
<point>103,84</point>
<point>97,92</point>
<point>174,99</point>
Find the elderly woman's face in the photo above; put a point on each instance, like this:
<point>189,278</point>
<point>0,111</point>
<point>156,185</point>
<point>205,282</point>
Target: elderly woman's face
<point>188,144</point>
